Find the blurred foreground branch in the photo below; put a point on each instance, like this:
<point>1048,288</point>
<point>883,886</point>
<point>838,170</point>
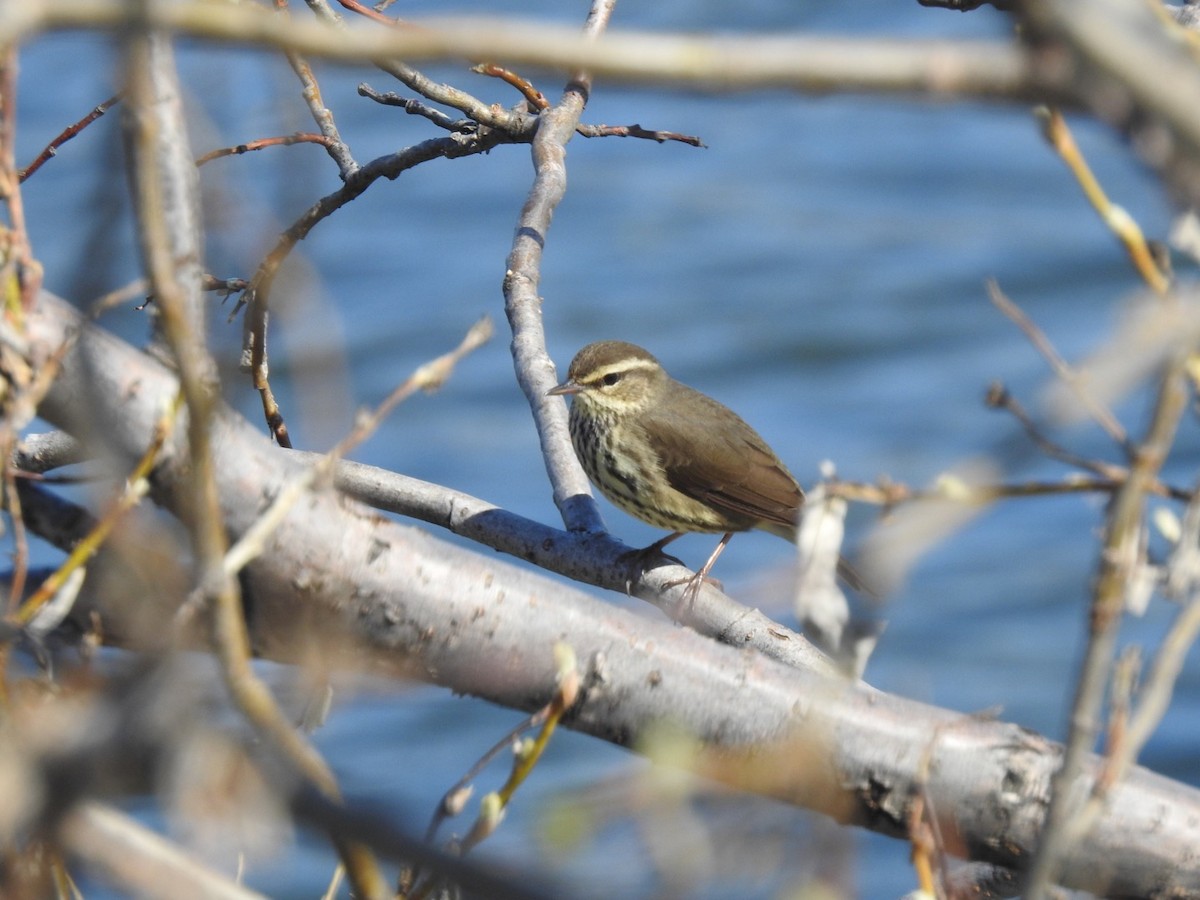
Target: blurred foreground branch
<point>994,69</point>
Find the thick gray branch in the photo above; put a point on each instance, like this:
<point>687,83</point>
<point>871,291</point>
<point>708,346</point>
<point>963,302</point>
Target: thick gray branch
<point>481,626</point>
<point>598,559</point>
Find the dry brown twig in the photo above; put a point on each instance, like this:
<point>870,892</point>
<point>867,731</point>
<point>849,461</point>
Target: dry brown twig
<point>487,127</point>
<point>1058,365</point>
<point>71,131</point>
<point>535,98</point>
<point>250,146</point>
<point>257,293</point>
<point>26,386</point>
<point>20,272</point>
<point>1058,134</point>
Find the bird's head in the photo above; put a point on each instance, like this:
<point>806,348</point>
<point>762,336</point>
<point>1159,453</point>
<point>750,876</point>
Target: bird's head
<point>613,377</point>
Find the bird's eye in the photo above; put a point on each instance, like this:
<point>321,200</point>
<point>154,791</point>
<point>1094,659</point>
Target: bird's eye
<point>611,378</point>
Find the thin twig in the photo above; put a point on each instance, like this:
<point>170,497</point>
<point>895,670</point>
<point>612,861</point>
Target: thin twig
<point>637,131</point>
<point>12,502</point>
<point>417,108</point>
<point>67,133</point>
<point>1069,376</point>
<point>337,148</point>
<point>369,13</point>
<point>164,177</point>
<point>256,297</point>
<point>516,123</point>
<point>299,137</point>
<point>525,758</point>
<point>139,287</point>
<point>999,397</point>
<point>991,70</point>
<point>535,98</point>
<point>1058,134</point>
<point>21,273</point>
<point>1154,697</point>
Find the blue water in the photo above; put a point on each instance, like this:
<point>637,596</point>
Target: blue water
<point>820,267</point>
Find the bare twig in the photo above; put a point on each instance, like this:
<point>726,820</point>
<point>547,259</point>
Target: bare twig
<point>1132,67</point>
<point>136,288</point>
<point>526,755</point>
<point>20,273</point>
<point>1069,376</point>
<point>26,383</point>
<point>369,13</point>
<point>513,122</point>
<point>67,133</point>
<point>417,108</point>
<point>141,860</point>
<point>338,151</point>
<point>282,141</point>
<point>998,397</point>
<point>1153,698</point>
<point>12,503</point>
<point>535,98</point>
<point>637,131</point>
<point>1055,128</point>
<point>889,493</point>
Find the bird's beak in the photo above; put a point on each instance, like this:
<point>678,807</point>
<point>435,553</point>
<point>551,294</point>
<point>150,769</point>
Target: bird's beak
<point>567,387</point>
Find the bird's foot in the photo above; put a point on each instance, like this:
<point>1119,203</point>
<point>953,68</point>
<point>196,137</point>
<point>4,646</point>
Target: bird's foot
<point>645,559</point>
<point>688,599</point>
<point>692,591</point>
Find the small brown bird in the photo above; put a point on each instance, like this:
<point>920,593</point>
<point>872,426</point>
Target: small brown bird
<point>672,456</point>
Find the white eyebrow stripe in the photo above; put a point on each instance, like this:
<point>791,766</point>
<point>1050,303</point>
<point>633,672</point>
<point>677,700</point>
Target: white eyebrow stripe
<point>624,365</point>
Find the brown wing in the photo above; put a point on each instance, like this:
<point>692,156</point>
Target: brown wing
<point>711,455</point>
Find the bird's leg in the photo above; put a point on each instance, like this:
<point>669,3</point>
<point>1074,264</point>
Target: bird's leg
<point>692,591</point>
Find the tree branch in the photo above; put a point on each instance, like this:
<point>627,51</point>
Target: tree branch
<point>979,69</point>
<point>339,580</point>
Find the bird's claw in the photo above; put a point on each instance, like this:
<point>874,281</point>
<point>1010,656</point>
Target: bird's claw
<point>692,591</point>
<point>644,560</point>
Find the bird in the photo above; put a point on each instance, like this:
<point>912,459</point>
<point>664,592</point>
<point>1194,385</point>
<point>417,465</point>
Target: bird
<point>672,456</point>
